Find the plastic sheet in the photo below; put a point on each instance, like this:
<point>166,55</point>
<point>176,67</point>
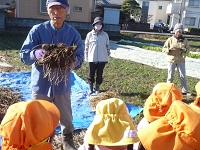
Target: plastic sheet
<point>82,115</point>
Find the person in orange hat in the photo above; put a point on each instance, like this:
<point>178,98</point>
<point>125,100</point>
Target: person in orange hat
<point>179,127</point>
<point>29,125</point>
<point>177,130</point>
<point>158,103</point>
<point>111,129</point>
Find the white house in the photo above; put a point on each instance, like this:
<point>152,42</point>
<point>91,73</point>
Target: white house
<point>111,10</point>
<point>155,10</point>
<point>174,11</point>
<point>186,12</point>
<point>111,15</point>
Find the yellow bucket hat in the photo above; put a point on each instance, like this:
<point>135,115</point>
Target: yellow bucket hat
<point>197,88</point>
<point>158,103</point>
<point>197,99</point>
<point>112,125</point>
<point>177,130</point>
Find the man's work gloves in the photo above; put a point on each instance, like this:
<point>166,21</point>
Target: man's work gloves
<point>39,53</point>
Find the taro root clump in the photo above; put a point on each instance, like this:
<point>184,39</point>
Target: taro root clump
<point>57,59</point>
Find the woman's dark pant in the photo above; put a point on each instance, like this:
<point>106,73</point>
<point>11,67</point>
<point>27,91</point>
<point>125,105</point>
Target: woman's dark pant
<point>96,68</point>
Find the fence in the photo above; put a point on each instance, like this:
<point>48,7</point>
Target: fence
<point>25,24</point>
<point>2,20</point>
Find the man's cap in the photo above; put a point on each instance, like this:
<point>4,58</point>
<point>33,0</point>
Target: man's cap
<point>177,130</point>
<point>63,3</point>
<point>112,125</point>
<point>97,19</point>
<point>29,124</point>
<point>158,103</point>
<point>178,26</point>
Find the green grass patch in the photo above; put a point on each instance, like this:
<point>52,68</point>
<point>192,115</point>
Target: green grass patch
<point>154,48</point>
<point>134,82</point>
<point>142,45</point>
<point>195,43</point>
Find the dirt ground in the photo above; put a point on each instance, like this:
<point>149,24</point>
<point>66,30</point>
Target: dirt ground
<point>5,66</point>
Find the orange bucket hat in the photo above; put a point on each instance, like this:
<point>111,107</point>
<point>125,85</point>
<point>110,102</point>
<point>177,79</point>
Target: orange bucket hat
<point>28,125</point>
<point>112,125</point>
<point>158,103</point>
<point>177,130</point>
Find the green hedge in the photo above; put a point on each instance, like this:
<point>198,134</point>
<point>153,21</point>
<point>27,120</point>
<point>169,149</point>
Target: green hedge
<point>195,31</point>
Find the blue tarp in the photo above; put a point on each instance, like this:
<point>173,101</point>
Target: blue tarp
<point>82,115</point>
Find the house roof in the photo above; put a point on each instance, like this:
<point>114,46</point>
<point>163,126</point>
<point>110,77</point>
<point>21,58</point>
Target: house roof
<point>109,2</point>
<point>154,0</point>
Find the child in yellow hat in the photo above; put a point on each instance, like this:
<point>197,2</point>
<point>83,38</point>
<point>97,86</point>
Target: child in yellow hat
<point>29,125</point>
<point>197,99</point>
<point>112,127</point>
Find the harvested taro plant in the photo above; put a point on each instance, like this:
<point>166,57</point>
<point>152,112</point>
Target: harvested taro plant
<point>57,59</point>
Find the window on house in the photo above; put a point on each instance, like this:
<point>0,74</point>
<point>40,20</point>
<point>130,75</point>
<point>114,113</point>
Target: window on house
<point>193,2</point>
<point>190,21</point>
<point>159,20</point>
<point>43,8</point>
<point>160,7</point>
<point>76,8</point>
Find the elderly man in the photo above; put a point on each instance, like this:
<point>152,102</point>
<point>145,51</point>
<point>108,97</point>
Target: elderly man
<point>53,32</point>
<point>176,48</point>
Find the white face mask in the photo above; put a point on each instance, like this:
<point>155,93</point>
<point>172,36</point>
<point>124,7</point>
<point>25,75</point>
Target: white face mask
<point>97,27</point>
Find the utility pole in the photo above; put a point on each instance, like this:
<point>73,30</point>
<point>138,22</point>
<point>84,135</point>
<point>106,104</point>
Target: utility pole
<point>181,11</point>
